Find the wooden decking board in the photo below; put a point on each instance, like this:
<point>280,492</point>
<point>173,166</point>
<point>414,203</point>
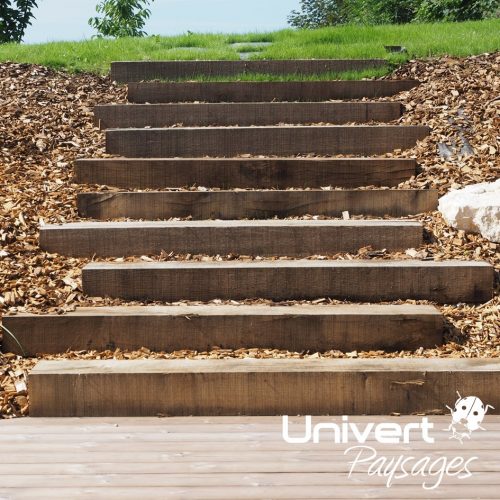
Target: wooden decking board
<point>255,204</point>
<point>157,92</point>
<point>243,114</point>
<point>257,386</point>
<point>137,71</point>
<point>260,238</point>
<point>362,140</point>
<point>226,173</point>
<point>358,280</point>
<point>174,328</point>
<point>131,457</point>
<point>309,492</point>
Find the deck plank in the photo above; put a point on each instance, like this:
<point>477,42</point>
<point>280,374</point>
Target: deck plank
<point>212,469</point>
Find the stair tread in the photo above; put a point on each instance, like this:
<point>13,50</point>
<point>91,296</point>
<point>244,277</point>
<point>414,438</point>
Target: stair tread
<point>230,365</point>
<point>230,224</point>
<point>264,91</point>
<point>245,310</point>
<point>201,327</point>
<point>243,114</point>
<point>290,263</point>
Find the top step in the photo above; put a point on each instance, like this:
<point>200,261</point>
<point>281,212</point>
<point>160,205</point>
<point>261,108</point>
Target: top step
<point>137,71</point>
<point>161,92</point>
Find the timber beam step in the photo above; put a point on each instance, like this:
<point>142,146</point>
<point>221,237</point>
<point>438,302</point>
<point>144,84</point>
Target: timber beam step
<point>206,387</point>
<point>447,282</point>
<point>138,71</point>
<point>255,204</point>
<point>293,238</point>
<point>243,114</point>
<point>312,91</point>
<point>363,140</point>
<point>227,173</point>
<point>200,328</point>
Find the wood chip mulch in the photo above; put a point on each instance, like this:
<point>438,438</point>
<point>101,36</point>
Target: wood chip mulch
<point>46,122</point>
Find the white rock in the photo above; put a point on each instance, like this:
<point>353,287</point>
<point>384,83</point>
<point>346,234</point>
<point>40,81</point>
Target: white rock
<point>475,208</point>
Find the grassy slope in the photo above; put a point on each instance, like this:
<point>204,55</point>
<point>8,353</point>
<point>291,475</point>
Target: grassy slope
<point>421,40</point>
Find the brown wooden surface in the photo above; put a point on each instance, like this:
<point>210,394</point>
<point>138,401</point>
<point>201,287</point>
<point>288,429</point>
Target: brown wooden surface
<point>257,386</point>
<point>255,204</point>
<point>226,173</point>
<point>174,328</point>
<point>137,71</point>
<point>362,140</point>
<point>224,457</point>
<point>292,238</point>
<point>156,92</point>
<point>243,114</point>
<point>357,280</point>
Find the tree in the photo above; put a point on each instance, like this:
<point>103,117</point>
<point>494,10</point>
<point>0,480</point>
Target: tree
<point>121,17</point>
<point>15,17</point>
<point>457,10</point>
<point>317,14</point>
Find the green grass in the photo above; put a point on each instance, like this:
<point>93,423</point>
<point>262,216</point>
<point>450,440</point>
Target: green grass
<point>291,77</point>
<point>351,42</point>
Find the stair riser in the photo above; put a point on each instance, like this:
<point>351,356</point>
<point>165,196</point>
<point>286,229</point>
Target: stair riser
<point>264,91</point>
<point>263,241</point>
<point>137,71</point>
<point>255,204</point>
<point>163,115</point>
<point>255,393</point>
<point>292,332</point>
<point>375,283</point>
<point>244,173</point>
<point>274,141</point>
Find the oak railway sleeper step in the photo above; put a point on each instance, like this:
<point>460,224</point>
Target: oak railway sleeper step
<point>226,173</point>
<point>363,140</point>
<point>243,114</point>
<point>357,280</point>
<point>312,91</point>
<point>200,328</point>
<point>254,204</point>
<point>97,388</point>
<point>137,71</point>
<point>293,238</point>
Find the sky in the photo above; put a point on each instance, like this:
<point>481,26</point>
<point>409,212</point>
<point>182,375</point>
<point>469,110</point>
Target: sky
<point>68,19</point>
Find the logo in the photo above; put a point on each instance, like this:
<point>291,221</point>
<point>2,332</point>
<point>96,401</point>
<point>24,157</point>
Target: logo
<point>362,445</point>
<point>466,417</point>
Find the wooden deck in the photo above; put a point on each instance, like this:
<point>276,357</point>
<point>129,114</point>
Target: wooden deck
<point>224,458</point>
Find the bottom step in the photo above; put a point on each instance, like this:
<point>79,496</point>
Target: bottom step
<point>173,328</point>
<point>258,386</point>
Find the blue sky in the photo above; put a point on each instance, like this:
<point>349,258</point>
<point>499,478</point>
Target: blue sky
<point>67,19</point>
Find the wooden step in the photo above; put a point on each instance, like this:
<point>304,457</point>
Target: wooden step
<point>137,71</point>
<point>227,173</point>
<point>254,204</point>
<point>357,280</point>
<point>97,388</point>
<point>294,238</point>
<point>200,328</point>
<point>363,140</point>
<point>156,92</point>
<point>243,114</point>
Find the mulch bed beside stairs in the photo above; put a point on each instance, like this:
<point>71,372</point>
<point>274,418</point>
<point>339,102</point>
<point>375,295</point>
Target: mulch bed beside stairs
<point>47,122</point>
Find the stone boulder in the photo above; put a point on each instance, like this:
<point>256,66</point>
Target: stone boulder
<point>475,208</point>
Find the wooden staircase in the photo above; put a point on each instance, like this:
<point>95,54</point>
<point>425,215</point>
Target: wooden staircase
<point>263,122</point>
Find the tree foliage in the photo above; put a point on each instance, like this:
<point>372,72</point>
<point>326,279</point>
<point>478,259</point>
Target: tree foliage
<point>457,10</point>
<point>121,18</point>
<point>317,14</point>
<point>320,13</point>
<point>15,17</point>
